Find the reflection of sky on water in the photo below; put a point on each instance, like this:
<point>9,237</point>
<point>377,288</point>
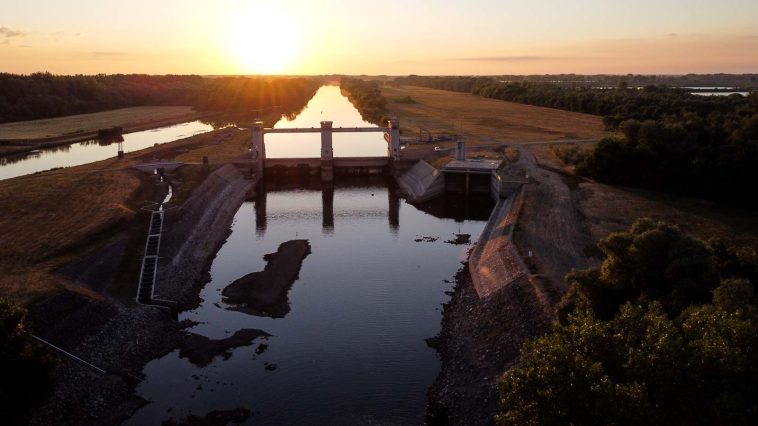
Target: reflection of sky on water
<point>327,105</point>
<point>352,348</point>
<point>91,151</point>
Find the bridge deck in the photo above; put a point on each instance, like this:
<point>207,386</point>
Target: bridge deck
<point>332,130</point>
<point>337,162</point>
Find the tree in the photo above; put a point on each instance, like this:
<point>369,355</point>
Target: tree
<point>642,366</point>
<point>665,331</point>
<point>651,261</point>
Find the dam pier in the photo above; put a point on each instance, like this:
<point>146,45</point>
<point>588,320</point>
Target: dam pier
<point>326,165</point>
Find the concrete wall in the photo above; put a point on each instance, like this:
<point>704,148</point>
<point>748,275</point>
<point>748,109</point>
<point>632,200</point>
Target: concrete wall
<point>194,232</point>
<point>422,183</point>
<point>495,263</point>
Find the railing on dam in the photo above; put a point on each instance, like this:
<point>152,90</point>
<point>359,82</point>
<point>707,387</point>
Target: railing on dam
<point>327,160</point>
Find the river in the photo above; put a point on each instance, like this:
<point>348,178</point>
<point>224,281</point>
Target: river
<point>348,346</point>
<point>90,151</point>
<point>327,104</point>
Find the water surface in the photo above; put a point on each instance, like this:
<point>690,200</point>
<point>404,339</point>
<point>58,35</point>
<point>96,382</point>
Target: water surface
<point>328,104</point>
<point>90,151</point>
<point>351,349</point>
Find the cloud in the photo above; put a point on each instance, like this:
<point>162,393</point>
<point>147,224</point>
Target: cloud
<point>672,35</point>
<point>7,33</point>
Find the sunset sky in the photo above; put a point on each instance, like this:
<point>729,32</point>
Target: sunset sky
<point>388,37</point>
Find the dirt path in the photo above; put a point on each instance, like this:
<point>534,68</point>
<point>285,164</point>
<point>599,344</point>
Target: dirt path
<point>551,226</point>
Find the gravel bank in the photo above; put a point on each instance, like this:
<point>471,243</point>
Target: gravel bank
<point>479,340</point>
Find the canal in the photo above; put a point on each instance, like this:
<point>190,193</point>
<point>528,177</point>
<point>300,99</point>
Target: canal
<point>345,336</point>
<point>90,151</point>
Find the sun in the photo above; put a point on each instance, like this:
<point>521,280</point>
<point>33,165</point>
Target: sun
<point>263,40</point>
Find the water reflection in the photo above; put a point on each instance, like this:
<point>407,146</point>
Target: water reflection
<point>93,150</point>
<point>350,346</point>
<point>443,208</point>
<point>328,104</point>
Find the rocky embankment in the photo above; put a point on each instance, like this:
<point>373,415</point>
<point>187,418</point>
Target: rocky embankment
<point>495,307</point>
<point>479,340</point>
<point>132,336</point>
<point>194,233</point>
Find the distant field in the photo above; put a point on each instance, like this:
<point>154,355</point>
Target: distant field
<point>484,120</point>
<point>76,126</point>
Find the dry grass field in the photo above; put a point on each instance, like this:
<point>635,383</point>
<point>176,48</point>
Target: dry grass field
<point>486,121</point>
<point>48,219</point>
<point>77,126</point>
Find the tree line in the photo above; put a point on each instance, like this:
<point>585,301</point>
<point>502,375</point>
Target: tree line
<point>735,81</point>
<point>44,95</point>
<point>367,98</point>
<point>665,331</point>
<point>670,139</point>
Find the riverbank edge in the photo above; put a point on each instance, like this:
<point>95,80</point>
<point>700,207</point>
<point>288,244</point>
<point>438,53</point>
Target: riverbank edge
<point>485,323</point>
<point>196,231</point>
<point>29,145</point>
<point>495,262</point>
<point>134,336</point>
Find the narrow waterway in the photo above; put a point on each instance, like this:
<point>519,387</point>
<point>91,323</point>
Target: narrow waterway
<point>348,346</point>
<point>328,104</point>
<point>346,282</point>
<point>90,151</point>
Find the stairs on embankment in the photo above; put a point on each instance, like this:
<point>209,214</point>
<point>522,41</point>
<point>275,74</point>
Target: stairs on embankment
<point>150,260</point>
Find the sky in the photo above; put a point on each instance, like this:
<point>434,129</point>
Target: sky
<point>393,37</point>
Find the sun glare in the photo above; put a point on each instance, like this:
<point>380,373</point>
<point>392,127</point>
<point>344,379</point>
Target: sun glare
<point>263,40</point>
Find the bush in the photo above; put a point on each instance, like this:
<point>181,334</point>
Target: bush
<point>664,332</point>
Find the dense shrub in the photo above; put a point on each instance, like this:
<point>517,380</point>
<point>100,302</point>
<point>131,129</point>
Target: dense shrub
<point>664,332</point>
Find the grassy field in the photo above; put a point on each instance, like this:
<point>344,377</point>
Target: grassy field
<point>51,218</point>
<point>485,121</point>
<point>74,126</point>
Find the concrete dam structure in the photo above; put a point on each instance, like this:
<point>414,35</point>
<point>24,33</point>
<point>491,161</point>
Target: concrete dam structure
<point>326,164</point>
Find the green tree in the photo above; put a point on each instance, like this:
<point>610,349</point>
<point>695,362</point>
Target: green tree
<point>642,367</point>
<point>664,332</point>
<point>651,261</point>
